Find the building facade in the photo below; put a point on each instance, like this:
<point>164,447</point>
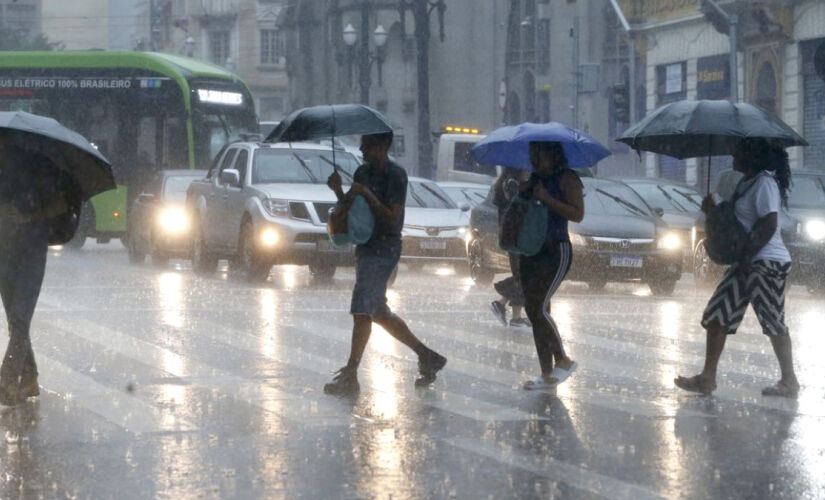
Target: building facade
<point>22,16</point>
<point>240,35</point>
<point>686,57</point>
<point>463,72</point>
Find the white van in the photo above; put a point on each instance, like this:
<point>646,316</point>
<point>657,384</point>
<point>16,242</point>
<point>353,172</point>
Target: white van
<point>454,161</point>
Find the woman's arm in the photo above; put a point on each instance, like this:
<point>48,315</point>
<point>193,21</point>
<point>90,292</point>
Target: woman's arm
<point>572,207</point>
<point>761,234</point>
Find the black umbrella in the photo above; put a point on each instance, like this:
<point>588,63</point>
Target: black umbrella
<point>65,148</point>
<point>321,122</point>
<point>691,129</point>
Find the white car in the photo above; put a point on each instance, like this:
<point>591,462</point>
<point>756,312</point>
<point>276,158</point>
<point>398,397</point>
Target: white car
<point>466,193</point>
<point>435,228</point>
<point>263,204</point>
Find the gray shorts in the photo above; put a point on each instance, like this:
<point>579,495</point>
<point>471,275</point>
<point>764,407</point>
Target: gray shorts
<point>369,297</point>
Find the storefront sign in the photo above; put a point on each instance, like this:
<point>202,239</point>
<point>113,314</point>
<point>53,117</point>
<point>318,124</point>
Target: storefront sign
<point>673,78</point>
<point>712,77</point>
<point>658,10</point>
<point>91,83</point>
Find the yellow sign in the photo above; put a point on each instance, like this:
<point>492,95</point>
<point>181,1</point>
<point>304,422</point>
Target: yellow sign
<point>643,11</point>
<point>710,76</point>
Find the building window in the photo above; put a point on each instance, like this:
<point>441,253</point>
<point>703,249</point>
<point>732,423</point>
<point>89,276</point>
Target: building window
<point>271,47</point>
<point>543,36</point>
<point>219,47</point>
<point>21,16</point>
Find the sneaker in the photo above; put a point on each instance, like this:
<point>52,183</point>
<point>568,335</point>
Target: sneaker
<point>521,323</point>
<point>428,365</point>
<point>499,312</point>
<point>345,383</point>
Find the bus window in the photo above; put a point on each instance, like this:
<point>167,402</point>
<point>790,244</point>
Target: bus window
<point>464,161</point>
<point>147,146</point>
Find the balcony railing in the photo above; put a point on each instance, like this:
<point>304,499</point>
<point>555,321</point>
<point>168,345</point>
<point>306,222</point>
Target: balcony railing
<point>219,8</point>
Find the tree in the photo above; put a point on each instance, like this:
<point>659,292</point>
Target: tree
<point>16,39</point>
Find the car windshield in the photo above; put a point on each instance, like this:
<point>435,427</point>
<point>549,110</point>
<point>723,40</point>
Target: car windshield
<point>473,196</point>
<point>806,192</point>
<point>300,166</point>
<point>427,195</point>
<point>174,189</point>
<point>659,196</point>
<point>689,198</point>
<point>614,199</point>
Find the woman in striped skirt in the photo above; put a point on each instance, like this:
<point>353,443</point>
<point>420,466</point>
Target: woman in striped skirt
<point>760,278</point>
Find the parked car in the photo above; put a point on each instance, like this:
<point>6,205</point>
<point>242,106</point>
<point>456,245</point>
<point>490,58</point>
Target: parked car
<point>158,224</point>
<point>465,193</point>
<point>434,227</point>
<point>620,239</point>
<point>803,231</point>
<point>679,205</point>
<point>263,204</point>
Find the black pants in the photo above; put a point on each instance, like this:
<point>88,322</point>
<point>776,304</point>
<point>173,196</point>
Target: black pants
<point>21,275</point>
<point>510,287</point>
<point>541,275</point>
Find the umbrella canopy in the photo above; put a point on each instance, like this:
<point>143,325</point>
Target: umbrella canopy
<point>67,149</point>
<point>690,129</point>
<point>321,122</point>
<point>510,146</point>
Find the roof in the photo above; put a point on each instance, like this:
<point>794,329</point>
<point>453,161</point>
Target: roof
<point>167,64</point>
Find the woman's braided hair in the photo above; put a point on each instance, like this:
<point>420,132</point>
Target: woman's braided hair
<point>762,154</point>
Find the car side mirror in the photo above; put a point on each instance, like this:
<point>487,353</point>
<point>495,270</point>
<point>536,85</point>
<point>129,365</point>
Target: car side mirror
<point>465,207</point>
<point>230,177</point>
<point>659,211</point>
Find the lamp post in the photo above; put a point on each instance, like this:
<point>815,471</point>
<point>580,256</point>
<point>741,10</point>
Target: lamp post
<point>365,56</point>
<point>189,46</point>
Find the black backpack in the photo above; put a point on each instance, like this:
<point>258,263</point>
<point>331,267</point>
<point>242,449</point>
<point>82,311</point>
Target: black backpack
<point>726,238</point>
<point>63,227</point>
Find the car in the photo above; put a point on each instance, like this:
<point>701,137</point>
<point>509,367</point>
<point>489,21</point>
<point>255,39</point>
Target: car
<point>158,225</point>
<point>263,204</point>
<point>620,239</point>
<point>435,228</point>
<point>679,205</point>
<point>465,193</point>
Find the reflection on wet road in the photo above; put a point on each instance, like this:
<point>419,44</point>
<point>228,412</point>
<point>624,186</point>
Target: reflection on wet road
<point>157,382</point>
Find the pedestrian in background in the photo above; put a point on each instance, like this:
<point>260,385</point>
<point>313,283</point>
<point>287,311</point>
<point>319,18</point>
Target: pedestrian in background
<point>503,190</point>
<point>30,195</point>
<point>761,277</point>
<point>383,184</point>
<point>559,189</point>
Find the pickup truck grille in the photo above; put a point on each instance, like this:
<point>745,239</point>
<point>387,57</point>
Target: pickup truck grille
<point>298,210</point>
<point>322,209</point>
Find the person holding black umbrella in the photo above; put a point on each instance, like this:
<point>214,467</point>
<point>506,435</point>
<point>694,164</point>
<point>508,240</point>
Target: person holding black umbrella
<point>383,184</point>
<point>760,277</point>
<point>29,196</point>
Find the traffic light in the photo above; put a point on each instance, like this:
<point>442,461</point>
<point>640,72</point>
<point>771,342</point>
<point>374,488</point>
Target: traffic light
<point>621,103</point>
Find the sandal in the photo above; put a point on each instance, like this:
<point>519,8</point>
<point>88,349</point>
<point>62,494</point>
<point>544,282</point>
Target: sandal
<point>539,384</point>
<point>781,390</point>
<point>561,374</point>
<point>694,384</point>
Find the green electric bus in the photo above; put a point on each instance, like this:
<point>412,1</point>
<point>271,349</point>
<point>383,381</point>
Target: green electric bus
<point>144,111</point>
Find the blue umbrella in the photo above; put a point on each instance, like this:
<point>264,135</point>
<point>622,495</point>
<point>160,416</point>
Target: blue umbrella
<point>510,146</point>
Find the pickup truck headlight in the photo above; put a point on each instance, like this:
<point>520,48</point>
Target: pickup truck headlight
<point>276,208</point>
<point>669,241</point>
<point>815,230</point>
<point>173,220</point>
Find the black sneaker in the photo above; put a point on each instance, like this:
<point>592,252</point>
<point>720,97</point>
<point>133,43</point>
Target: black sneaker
<point>428,365</point>
<point>521,323</point>
<point>345,383</point>
<point>499,312</point>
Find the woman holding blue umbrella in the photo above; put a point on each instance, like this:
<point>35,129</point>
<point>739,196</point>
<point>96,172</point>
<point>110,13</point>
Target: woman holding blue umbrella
<point>550,150</point>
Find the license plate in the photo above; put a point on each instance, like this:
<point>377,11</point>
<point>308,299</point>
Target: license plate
<point>626,261</point>
<point>433,244</point>
<point>327,246</point>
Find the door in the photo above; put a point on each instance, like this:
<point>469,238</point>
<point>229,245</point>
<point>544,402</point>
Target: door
<point>234,201</point>
<point>215,202</point>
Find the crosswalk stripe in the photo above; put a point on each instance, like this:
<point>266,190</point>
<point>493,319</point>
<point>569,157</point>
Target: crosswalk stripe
<point>557,470</point>
<point>124,410</point>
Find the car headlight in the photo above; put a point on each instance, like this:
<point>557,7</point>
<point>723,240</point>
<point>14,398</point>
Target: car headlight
<point>173,220</point>
<point>578,240</point>
<point>815,230</point>
<point>269,237</point>
<point>275,207</point>
<point>462,231</point>
<point>670,241</point>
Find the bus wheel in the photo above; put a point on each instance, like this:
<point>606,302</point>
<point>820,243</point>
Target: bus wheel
<point>203,262</point>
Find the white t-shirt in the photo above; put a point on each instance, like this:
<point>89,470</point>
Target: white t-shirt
<point>762,198</point>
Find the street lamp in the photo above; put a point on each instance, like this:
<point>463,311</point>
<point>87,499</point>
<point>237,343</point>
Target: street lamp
<point>189,46</point>
<point>229,64</point>
<point>366,58</point>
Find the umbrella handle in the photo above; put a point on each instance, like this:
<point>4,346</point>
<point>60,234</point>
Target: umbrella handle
<point>710,144</point>
<point>334,164</point>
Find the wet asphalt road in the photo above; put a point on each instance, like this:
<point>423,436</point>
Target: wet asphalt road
<point>160,383</point>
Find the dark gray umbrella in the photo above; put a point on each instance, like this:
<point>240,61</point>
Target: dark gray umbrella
<point>64,147</point>
<point>691,129</point>
<point>322,122</point>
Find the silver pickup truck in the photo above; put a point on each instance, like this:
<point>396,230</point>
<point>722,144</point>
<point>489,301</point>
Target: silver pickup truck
<point>264,204</point>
